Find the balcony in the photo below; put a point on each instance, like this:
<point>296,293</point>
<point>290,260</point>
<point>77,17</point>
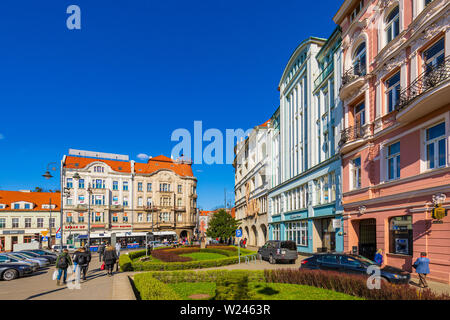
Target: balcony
<point>429,92</point>
<point>150,208</point>
<point>116,207</point>
<point>180,208</point>
<point>352,137</point>
<point>352,80</point>
<point>79,207</point>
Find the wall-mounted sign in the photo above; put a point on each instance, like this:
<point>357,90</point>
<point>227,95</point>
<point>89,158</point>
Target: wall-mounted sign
<point>336,223</point>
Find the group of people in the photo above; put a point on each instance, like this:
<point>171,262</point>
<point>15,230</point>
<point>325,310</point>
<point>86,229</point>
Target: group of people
<point>81,259</point>
<point>422,266</point>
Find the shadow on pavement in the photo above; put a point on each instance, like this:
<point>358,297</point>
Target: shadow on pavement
<point>44,293</point>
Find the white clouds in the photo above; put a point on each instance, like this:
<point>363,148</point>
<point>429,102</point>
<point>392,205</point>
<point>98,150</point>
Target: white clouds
<point>143,156</point>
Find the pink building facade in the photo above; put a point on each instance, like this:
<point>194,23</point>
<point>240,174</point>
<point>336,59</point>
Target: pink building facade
<point>396,137</point>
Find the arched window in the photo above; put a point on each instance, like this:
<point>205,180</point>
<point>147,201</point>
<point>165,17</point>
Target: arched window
<point>359,60</point>
<point>392,25</point>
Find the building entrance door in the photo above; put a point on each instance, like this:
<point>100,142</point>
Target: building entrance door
<point>328,236</point>
<point>367,238</point>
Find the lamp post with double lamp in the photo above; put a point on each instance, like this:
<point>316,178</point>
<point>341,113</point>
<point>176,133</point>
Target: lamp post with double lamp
<point>64,191</point>
<point>77,177</point>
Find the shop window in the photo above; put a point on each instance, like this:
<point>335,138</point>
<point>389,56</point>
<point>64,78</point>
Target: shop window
<point>401,235</point>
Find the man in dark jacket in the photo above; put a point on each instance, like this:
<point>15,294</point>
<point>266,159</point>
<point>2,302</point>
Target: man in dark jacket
<point>101,251</point>
<point>82,258</point>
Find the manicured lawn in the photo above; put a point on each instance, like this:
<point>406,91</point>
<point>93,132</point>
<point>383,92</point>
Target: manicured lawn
<point>264,291</point>
<point>186,289</point>
<point>203,255</point>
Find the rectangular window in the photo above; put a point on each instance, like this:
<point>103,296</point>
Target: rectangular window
<point>434,56</point>
<point>52,222</point>
<point>149,217</point>
<point>125,201</point>
<point>69,183</point>
<point>115,185</point>
<point>140,217</point>
<point>81,184</point>
<point>16,206</point>
<point>81,199</point>
<point>27,239</point>
<point>393,25</point>
<point>125,219</point>
<point>393,161</point>
<point>40,222</point>
<point>356,173</point>
<point>99,184</point>
<point>139,186</point>
<point>2,223</point>
<point>436,146</point>
<point>98,217</point>
<point>27,222</point>
<point>401,235</point>
<point>69,201</point>
<point>149,187</point>
<point>69,219</point>
<point>115,219</point>
<point>15,222</point>
<point>27,206</point>
<point>392,91</point>
<point>125,186</point>
<point>180,187</point>
<point>116,200</point>
<point>360,115</point>
<point>80,219</point>
<point>140,204</point>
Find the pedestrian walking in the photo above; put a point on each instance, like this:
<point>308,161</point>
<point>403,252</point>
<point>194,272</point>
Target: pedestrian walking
<point>62,263</point>
<point>75,261</point>
<point>101,251</point>
<point>82,258</point>
<point>422,266</point>
<point>379,257</point>
<point>118,247</point>
<point>109,258</point>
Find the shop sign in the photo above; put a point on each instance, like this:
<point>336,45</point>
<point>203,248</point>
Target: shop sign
<point>336,223</point>
<point>14,232</point>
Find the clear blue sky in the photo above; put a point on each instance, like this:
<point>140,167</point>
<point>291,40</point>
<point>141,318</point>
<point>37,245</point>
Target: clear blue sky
<point>136,71</point>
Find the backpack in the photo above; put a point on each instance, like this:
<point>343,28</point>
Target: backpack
<point>82,260</point>
<point>62,262</point>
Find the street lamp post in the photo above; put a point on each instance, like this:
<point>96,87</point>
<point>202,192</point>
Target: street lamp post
<point>64,190</point>
<point>77,177</point>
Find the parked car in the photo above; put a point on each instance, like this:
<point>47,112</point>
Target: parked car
<point>13,270</point>
<point>41,261</point>
<point>5,259</point>
<point>50,258</point>
<point>276,250</point>
<point>43,252</point>
<point>70,247</point>
<point>352,264</point>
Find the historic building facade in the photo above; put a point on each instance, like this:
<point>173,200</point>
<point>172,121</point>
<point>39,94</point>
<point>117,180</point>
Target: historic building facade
<point>27,216</point>
<point>252,167</point>
<point>395,143</point>
<point>304,199</point>
<point>127,197</point>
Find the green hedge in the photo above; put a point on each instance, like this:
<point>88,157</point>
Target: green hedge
<point>205,276</point>
<point>125,263</point>
<point>150,288</point>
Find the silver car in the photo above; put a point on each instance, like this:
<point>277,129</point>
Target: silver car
<point>5,259</point>
<point>41,261</point>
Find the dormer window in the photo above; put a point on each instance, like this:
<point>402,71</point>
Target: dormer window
<point>16,206</point>
<point>100,169</point>
<point>2,206</point>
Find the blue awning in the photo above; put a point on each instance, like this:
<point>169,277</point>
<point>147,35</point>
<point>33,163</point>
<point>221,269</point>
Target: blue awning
<point>82,236</point>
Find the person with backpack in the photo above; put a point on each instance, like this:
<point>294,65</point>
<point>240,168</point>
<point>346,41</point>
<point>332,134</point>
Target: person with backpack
<point>82,258</point>
<point>75,261</point>
<point>62,263</point>
<point>110,258</point>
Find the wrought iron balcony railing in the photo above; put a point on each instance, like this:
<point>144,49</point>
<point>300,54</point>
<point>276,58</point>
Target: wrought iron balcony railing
<point>351,133</point>
<point>358,70</point>
<point>427,80</point>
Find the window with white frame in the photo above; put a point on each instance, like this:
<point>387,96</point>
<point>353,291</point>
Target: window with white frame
<point>81,184</point>
<point>393,161</point>
<point>149,187</point>
<point>115,185</point>
<point>15,222</point>
<point>149,217</point>
<point>27,222</point>
<point>40,222</point>
<point>392,25</point>
<point>297,232</point>
<point>435,141</point>
<point>392,91</point>
<point>356,173</point>
<point>2,223</point>
<point>434,56</point>
<point>115,200</point>
<point>139,186</point>
<point>125,186</point>
<point>140,202</point>
<point>359,60</point>
<point>140,217</point>
<point>276,231</point>
<point>69,183</point>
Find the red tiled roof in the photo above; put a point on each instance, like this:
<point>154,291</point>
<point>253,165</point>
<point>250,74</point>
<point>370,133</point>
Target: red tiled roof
<point>163,162</point>
<point>81,162</point>
<point>37,198</point>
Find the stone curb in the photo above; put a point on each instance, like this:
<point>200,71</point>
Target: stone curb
<point>122,289</point>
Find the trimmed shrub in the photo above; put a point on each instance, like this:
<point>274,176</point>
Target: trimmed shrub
<point>150,288</point>
<point>206,276</point>
<point>125,263</point>
<point>355,285</point>
<point>232,287</point>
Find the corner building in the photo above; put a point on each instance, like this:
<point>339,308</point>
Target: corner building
<point>395,143</point>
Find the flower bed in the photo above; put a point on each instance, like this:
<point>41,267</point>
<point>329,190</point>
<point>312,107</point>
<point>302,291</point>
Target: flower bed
<point>170,259</point>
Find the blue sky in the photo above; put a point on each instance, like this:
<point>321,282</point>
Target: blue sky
<point>138,70</point>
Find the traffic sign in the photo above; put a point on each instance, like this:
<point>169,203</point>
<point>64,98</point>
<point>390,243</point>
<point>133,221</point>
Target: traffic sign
<point>238,233</point>
<point>58,235</point>
<point>44,233</point>
<point>44,239</point>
